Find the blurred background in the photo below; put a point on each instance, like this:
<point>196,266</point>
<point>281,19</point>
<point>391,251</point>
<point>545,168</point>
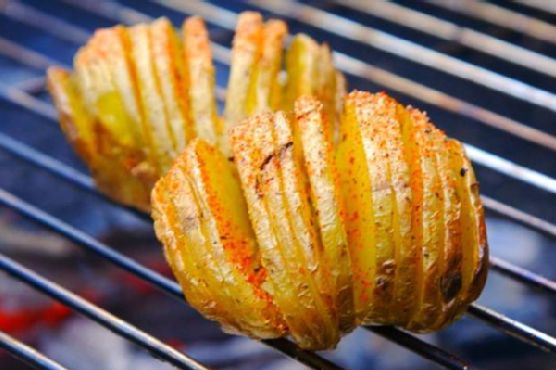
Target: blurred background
<point>484,71</point>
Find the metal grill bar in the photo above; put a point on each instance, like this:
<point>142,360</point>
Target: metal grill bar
<point>545,6</point>
<point>224,18</point>
<point>99,315</point>
<point>502,17</point>
<point>449,31</point>
<point>507,325</point>
<point>91,244</point>
<point>28,354</point>
<point>410,50</point>
<point>422,348</point>
<point>519,216</point>
<point>523,275</point>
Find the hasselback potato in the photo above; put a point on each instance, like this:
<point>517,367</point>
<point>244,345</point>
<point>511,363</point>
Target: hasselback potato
<point>138,95</point>
<point>306,237</point>
<point>301,211</point>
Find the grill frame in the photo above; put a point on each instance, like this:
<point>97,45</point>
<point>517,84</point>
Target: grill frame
<point>19,95</point>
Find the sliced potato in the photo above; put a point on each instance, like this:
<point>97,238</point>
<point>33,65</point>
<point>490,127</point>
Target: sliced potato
<point>311,71</point>
<point>373,114</point>
<point>254,151</point>
<point>296,196</point>
<point>245,54</point>
<point>475,253</point>
<point>184,245</point>
<point>199,81</point>
<point>169,72</point>
<point>426,208</point>
<point>231,241</point>
<point>264,87</point>
<point>313,135</point>
<point>155,117</point>
<point>75,121</point>
<point>360,223</point>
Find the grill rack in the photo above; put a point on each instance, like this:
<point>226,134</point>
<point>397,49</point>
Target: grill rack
<point>20,95</point>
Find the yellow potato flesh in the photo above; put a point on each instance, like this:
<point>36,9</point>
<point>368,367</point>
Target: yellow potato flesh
<point>199,73</point>
<point>155,117</point>
<point>230,239</point>
<point>312,133</point>
<point>296,197</point>
<point>168,69</point>
<point>360,224</point>
<point>264,90</point>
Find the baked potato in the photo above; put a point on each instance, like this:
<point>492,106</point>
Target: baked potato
<point>383,227</point>
<point>138,95</point>
<point>301,211</point>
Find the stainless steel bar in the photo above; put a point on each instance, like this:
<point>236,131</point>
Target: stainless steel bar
<point>543,5</point>
<point>410,50</point>
<point>449,31</point>
<point>32,85</point>
<point>523,275</point>
<point>15,51</point>
<point>28,101</point>
<point>511,169</point>
<point>514,328</point>
<point>27,354</point>
<point>101,316</point>
<point>519,216</point>
<point>502,17</point>
<point>31,16</point>
<point>421,348</point>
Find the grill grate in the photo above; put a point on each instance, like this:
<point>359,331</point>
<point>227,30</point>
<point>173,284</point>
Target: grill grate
<point>21,94</point>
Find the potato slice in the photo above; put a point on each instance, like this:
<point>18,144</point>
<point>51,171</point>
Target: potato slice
<point>245,54</point>
<point>395,255</point>
<point>313,135</point>
<point>75,122</point>
<point>169,72</point>
<point>449,265</point>
<point>255,155</point>
<point>311,71</point>
<point>355,188</point>
<point>374,114</point>
<point>475,251</point>
<point>117,151</point>
<point>231,241</point>
<point>296,195</point>
<point>426,203</point>
<point>264,87</point>
<point>199,81</point>
<point>184,246</point>
<point>155,117</point>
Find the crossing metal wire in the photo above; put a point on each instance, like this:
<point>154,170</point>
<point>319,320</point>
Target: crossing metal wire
<point>318,17</point>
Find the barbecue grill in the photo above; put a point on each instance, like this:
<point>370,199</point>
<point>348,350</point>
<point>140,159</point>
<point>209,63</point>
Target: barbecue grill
<point>485,72</point>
